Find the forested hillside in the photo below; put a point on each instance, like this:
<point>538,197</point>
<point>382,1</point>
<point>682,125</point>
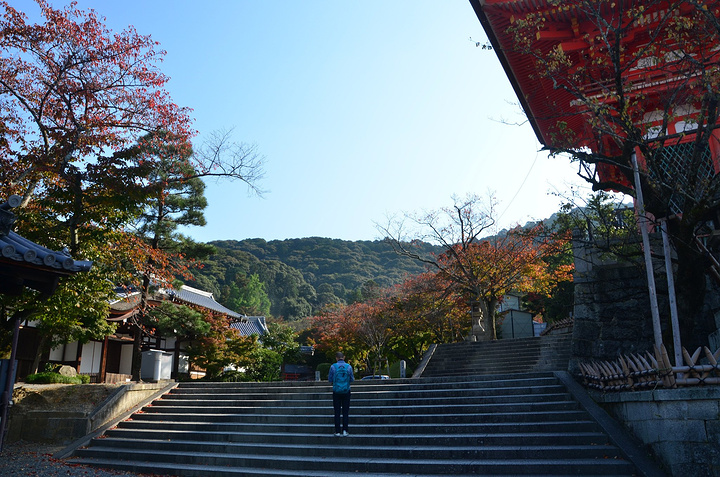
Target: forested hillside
<point>302,275</point>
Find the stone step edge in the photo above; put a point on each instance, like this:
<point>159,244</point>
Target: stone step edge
<point>103,444</point>
<point>361,460</point>
<point>152,468</point>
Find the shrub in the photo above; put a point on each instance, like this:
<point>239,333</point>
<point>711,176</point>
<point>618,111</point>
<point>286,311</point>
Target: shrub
<point>324,369</point>
<point>56,378</point>
<point>395,370</point>
<point>233,377</point>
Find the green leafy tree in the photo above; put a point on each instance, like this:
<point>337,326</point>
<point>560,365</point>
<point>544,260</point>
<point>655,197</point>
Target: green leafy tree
<point>265,365</point>
<point>282,339</point>
<point>69,92</point>
<point>482,270</point>
<point>75,99</point>
<point>223,347</point>
<point>249,299</point>
<point>184,323</point>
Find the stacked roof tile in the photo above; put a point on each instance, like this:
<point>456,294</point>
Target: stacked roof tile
<point>17,248</point>
<point>200,298</point>
<point>252,325</point>
<point>24,263</point>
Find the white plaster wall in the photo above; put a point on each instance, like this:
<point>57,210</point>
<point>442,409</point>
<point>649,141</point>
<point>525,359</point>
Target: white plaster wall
<point>126,359</point>
<point>56,354</point>
<point>91,357</point>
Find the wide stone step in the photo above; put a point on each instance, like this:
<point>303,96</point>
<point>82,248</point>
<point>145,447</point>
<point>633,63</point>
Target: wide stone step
<point>469,381</point>
<point>528,355</point>
<point>494,367</point>
<point>379,428</point>
<point>205,470</point>
<point>358,401</point>
<point>373,416</point>
<point>397,392</point>
<point>592,466</point>
<point>364,408</point>
<point>351,448</point>
<point>501,355</point>
<point>525,358</point>
<point>380,398</point>
<point>594,437</point>
<point>504,370</point>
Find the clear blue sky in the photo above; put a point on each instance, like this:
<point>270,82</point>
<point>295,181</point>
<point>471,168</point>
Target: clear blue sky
<point>362,109</point>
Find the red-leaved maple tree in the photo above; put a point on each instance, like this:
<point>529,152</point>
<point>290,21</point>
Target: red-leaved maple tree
<point>70,91</point>
<point>481,270</point>
<point>485,271</point>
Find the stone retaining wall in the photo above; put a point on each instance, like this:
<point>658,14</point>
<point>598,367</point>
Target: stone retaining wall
<point>63,427</point>
<point>681,426</point>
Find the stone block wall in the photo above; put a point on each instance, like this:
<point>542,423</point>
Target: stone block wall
<point>681,426</point>
<point>63,427</point>
<point>612,307</point>
<point>52,427</point>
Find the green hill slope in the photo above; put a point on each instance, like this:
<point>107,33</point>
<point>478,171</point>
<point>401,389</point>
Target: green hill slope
<point>303,275</point>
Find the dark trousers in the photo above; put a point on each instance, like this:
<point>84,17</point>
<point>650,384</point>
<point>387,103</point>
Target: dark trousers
<point>341,402</point>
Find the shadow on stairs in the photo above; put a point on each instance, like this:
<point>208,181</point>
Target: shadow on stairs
<point>539,423</point>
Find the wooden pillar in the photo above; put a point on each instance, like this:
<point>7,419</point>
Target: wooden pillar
<point>78,357</point>
<point>103,361</point>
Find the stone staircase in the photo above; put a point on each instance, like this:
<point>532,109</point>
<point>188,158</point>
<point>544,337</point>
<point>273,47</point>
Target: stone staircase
<point>501,357</point>
<point>523,424</point>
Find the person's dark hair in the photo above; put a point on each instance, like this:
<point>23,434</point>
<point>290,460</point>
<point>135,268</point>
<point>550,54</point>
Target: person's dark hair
<point>339,355</point>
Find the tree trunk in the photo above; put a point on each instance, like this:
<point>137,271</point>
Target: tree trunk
<point>176,359</point>
<point>140,319</point>
<point>137,354</point>
<point>38,354</point>
<point>492,315</point>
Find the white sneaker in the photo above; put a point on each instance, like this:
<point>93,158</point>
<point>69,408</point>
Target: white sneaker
<point>345,433</point>
<point>338,434</point>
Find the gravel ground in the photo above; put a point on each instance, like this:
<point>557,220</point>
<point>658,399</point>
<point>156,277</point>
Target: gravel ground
<point>30,459</point>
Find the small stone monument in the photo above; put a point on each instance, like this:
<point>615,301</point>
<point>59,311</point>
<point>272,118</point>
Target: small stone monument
<point>67,371</point>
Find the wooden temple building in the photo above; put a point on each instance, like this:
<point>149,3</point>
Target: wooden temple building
<point>110,360</point>
<point>631,90</point>
<point>24,264</point>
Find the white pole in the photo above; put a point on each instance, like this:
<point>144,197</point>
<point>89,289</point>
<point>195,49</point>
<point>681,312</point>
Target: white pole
<point>671,293</point>
<point>640,208</point>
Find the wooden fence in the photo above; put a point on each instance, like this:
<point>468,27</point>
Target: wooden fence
<point>641,372</point>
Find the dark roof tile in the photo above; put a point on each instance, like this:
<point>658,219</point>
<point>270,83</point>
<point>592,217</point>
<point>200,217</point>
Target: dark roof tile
<point>254,325</point>
<point>17,248</point>
<point>199,298</point>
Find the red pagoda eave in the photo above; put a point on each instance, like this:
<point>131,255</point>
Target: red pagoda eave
<point>543,104</point>
<point>547,105</point>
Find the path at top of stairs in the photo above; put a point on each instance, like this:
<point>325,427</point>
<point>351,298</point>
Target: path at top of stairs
<point>500,357</point>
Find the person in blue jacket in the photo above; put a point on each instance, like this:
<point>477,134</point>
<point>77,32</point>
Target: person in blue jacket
<point>340,376</point>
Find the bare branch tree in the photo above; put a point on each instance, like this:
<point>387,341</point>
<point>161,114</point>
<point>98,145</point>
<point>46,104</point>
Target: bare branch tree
<point>222,158</point>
